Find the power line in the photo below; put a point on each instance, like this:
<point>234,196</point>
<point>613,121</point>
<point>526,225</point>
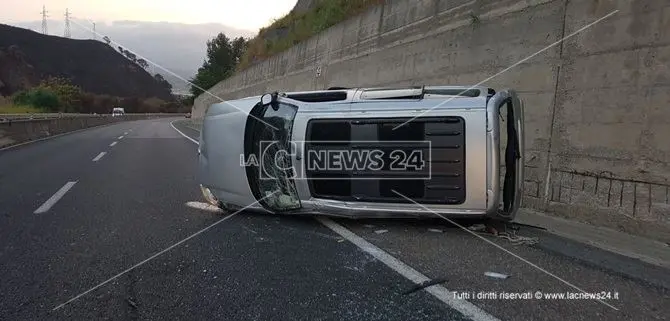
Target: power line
<point>44,20</point>
<point>67,24</point>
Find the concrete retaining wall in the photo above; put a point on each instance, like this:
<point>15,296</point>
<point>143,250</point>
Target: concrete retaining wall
<point>597,120</point>
<point>20,131</point>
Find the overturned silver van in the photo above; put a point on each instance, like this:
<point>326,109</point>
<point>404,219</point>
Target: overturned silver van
<point>367,152</point>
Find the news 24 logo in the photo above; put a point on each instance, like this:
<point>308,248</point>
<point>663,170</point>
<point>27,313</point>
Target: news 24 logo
<point>334,160</point>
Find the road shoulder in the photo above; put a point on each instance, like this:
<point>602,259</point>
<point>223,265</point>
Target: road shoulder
<point>646,250</point>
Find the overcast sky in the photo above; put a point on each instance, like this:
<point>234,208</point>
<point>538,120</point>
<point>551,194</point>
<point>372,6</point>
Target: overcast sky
<point>242,14</point>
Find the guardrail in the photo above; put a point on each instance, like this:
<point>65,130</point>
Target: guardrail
<point>18,130</point>
<point>42,116</point>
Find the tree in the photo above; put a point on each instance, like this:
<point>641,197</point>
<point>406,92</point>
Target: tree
<point>130,55</point>
<point>223,55</point>
<point>143,63</point>
<point>159,78</point>
<point>239,45</point>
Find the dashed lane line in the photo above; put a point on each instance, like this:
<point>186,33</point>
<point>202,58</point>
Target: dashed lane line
<point>97,158</point>
<point>54,198</point>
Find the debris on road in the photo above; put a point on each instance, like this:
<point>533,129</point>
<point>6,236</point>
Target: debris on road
<point>424,285</point>
<point>516,224</point>
<point>477,228</point>
<point>248,229</point>
<point>508,232</point>
<point>496,275</point>
<point>381,231</point>
<point>203,206</point>
<point>435,230</point>
<point>131,303</point>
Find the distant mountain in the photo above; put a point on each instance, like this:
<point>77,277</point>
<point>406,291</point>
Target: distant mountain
<point>177,47</point>
<point>27,56</point>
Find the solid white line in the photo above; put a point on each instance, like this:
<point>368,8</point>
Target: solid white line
<point>440,292</point>
<point>112,144</point>
<point>179,131</point>
<point>97,158</point>
<point>55,198</point>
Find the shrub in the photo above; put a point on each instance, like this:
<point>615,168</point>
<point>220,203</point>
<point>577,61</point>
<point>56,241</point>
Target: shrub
<point>103,104</point>
<point>131,104</point>
<point>21,98</point>
<point>38,97</point>
<point>44,98</point>
<point>68,94</point>
<point>87,103</point>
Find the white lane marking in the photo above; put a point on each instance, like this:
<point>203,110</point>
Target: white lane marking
<point>125,133</point>
<point>55,198</point>
<point>440,292</point>
<point>120,137</point>
<point>179,131</point>
<point>97,158</point>
<point>112,144</point>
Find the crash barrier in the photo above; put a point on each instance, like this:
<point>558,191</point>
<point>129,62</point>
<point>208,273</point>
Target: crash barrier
<point>37,116</point>
<point>16,130</point>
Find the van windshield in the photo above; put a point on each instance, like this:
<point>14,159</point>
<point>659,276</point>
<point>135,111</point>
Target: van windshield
<point>272,180</point>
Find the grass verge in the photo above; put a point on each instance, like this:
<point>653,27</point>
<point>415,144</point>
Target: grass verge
<point>14,109</point>
<point>293,28</point>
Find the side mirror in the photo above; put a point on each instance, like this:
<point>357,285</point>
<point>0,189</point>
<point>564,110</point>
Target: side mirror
<point>266,99</point>
<point>270,99</point>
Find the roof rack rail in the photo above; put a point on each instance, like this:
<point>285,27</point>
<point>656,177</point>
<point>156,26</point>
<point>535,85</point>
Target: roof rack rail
<point>393,93</point>
<point>463,92</point>
<point>318,96</point>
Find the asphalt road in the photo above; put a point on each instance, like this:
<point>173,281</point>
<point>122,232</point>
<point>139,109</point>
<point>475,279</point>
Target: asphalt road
<point>73,218</point>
